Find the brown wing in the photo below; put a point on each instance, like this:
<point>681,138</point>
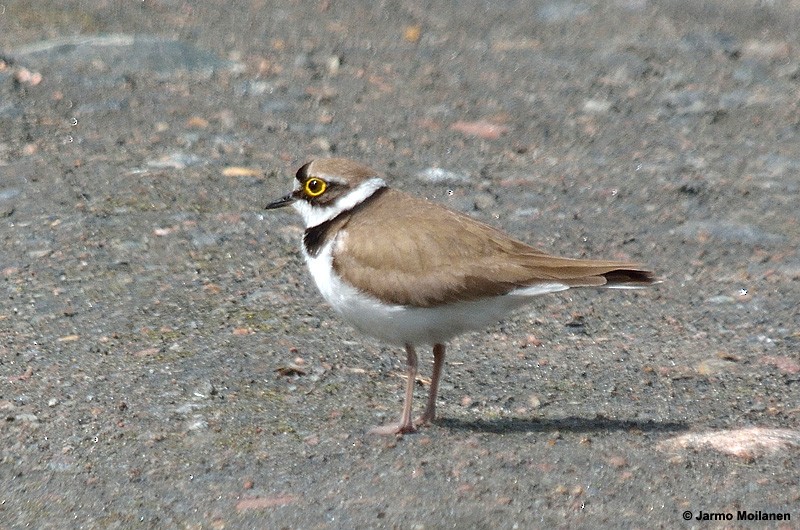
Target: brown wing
<point>413,252</point>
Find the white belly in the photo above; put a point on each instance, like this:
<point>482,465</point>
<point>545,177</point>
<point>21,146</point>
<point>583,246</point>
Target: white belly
<point>401,325</point>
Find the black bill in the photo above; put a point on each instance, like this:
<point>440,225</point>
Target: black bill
<point>280,203</point>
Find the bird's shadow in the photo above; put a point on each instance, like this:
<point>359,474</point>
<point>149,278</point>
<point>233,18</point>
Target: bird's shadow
<point>568,424</point>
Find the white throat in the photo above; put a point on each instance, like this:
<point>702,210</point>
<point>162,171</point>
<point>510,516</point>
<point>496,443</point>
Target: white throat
<point>314,215</point>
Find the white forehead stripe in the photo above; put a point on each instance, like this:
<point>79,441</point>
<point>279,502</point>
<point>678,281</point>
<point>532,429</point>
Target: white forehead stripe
<point>314,215</point>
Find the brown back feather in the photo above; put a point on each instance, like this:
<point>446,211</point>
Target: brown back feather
<point>396,250</point>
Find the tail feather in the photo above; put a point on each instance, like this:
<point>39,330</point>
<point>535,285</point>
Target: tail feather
<point>629,278</point>
<point>607,275</point>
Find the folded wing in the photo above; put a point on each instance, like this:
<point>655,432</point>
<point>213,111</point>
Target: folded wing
<point>421,254</point>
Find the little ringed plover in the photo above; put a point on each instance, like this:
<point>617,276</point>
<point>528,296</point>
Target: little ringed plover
<point>412,272</point>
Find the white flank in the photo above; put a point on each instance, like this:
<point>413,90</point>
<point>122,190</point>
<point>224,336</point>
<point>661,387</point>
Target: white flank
<point>314,215</point>
<point>397,324</point>
<point>536,290</point>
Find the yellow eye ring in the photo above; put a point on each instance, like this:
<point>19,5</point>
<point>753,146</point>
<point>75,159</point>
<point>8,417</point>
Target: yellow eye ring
<point>314,187</point>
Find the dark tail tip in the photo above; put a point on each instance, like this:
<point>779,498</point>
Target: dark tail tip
<point>630,277</point>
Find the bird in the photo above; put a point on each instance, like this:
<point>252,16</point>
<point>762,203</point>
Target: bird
<point>412,272</point>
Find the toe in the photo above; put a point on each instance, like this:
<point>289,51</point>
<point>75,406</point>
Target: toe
<point>392,429</point>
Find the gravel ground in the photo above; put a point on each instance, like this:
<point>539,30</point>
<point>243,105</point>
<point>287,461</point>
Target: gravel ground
<point>167,363</point>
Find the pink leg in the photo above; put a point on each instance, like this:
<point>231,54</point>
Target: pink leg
<point>405,425</point>
<point>438,362</point>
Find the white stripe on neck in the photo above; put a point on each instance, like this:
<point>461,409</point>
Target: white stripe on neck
<point>315,215</point>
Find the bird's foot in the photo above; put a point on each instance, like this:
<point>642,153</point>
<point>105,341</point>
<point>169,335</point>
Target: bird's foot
<point>424,420</point>
<point>393,429</point>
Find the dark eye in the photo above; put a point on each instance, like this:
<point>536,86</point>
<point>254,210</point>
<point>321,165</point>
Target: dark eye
<point>314,187</point>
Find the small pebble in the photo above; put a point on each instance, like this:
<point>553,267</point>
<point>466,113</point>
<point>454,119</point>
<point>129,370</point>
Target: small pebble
<point>438,175</point>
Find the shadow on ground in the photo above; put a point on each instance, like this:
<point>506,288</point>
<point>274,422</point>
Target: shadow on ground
<point>569,424</point>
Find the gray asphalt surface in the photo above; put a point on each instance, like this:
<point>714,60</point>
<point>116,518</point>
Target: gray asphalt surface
<point>165,360</point>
